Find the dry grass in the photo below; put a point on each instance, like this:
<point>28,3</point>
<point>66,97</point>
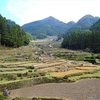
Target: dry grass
<point>87,68</point>
<point>60,74</point>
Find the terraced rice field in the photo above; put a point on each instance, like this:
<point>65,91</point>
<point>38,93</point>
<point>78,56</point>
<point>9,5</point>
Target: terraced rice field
<point>54,66</point>
<point>24,62</point>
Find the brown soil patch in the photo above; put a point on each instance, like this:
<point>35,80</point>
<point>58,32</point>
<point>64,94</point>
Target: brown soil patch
<point>83,68</point>
<point>87,89</point>
<point>66,73</point>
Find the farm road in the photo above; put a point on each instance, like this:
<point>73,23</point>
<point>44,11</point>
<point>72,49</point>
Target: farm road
<point>86,89</point>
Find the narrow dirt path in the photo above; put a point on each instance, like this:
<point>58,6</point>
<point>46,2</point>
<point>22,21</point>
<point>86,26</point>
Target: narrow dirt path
<point>87,89</point>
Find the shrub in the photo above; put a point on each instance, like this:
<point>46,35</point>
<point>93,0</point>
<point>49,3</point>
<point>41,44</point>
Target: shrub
<point>25,74</point>
<point>36,75</point>
<point>1,78</point>
<point>35,70</point>
<point>29,76</point>
<point>65,77</point>
<point>98,57</point>
<point>30,70</point>
<point>31,67</point>
<point>12,77</point>
<point>2,97</point>
<point>42,73</point>
<point>19,75</point>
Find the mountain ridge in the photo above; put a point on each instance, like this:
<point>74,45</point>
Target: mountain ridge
<point>83,23</point>
<point>47,26</point>
<point>52,26</point>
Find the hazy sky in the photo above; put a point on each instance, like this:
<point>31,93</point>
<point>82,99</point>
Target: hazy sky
<point>24,11</point>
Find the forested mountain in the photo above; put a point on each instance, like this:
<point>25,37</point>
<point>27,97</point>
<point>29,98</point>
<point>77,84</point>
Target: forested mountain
<point>10,22</point>
<point>85,39</point>
<point>84,23</point>
<point>96,26</point>
<point>11,34</point>
<point>48,26</point>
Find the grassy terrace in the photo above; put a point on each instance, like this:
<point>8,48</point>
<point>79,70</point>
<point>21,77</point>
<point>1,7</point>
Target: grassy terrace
<point>27,66</point>
<point>23,64</point>
<point>83,76</point>
<point>72,75</point>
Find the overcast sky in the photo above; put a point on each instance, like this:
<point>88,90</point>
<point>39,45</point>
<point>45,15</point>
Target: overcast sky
<point>25,11</point>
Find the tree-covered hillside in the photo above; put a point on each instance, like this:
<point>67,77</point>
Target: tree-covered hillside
<point>48,26</point>
<point>83,24</point>
<point>11,34</point>
<point>84,39</point>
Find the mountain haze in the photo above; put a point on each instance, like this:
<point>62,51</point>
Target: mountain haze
<point>84,23</point>
<point>48,26</point>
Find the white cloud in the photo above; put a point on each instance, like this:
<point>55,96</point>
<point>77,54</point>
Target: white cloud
<point>22,9</point>
<point>64,10</point>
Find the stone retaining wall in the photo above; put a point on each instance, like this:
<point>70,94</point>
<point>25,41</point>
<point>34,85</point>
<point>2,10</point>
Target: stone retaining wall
<point>30,82</point>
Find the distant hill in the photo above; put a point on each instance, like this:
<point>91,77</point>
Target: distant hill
<point>48,26</point>
<point>84,40</point>
<point>84,23</point>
